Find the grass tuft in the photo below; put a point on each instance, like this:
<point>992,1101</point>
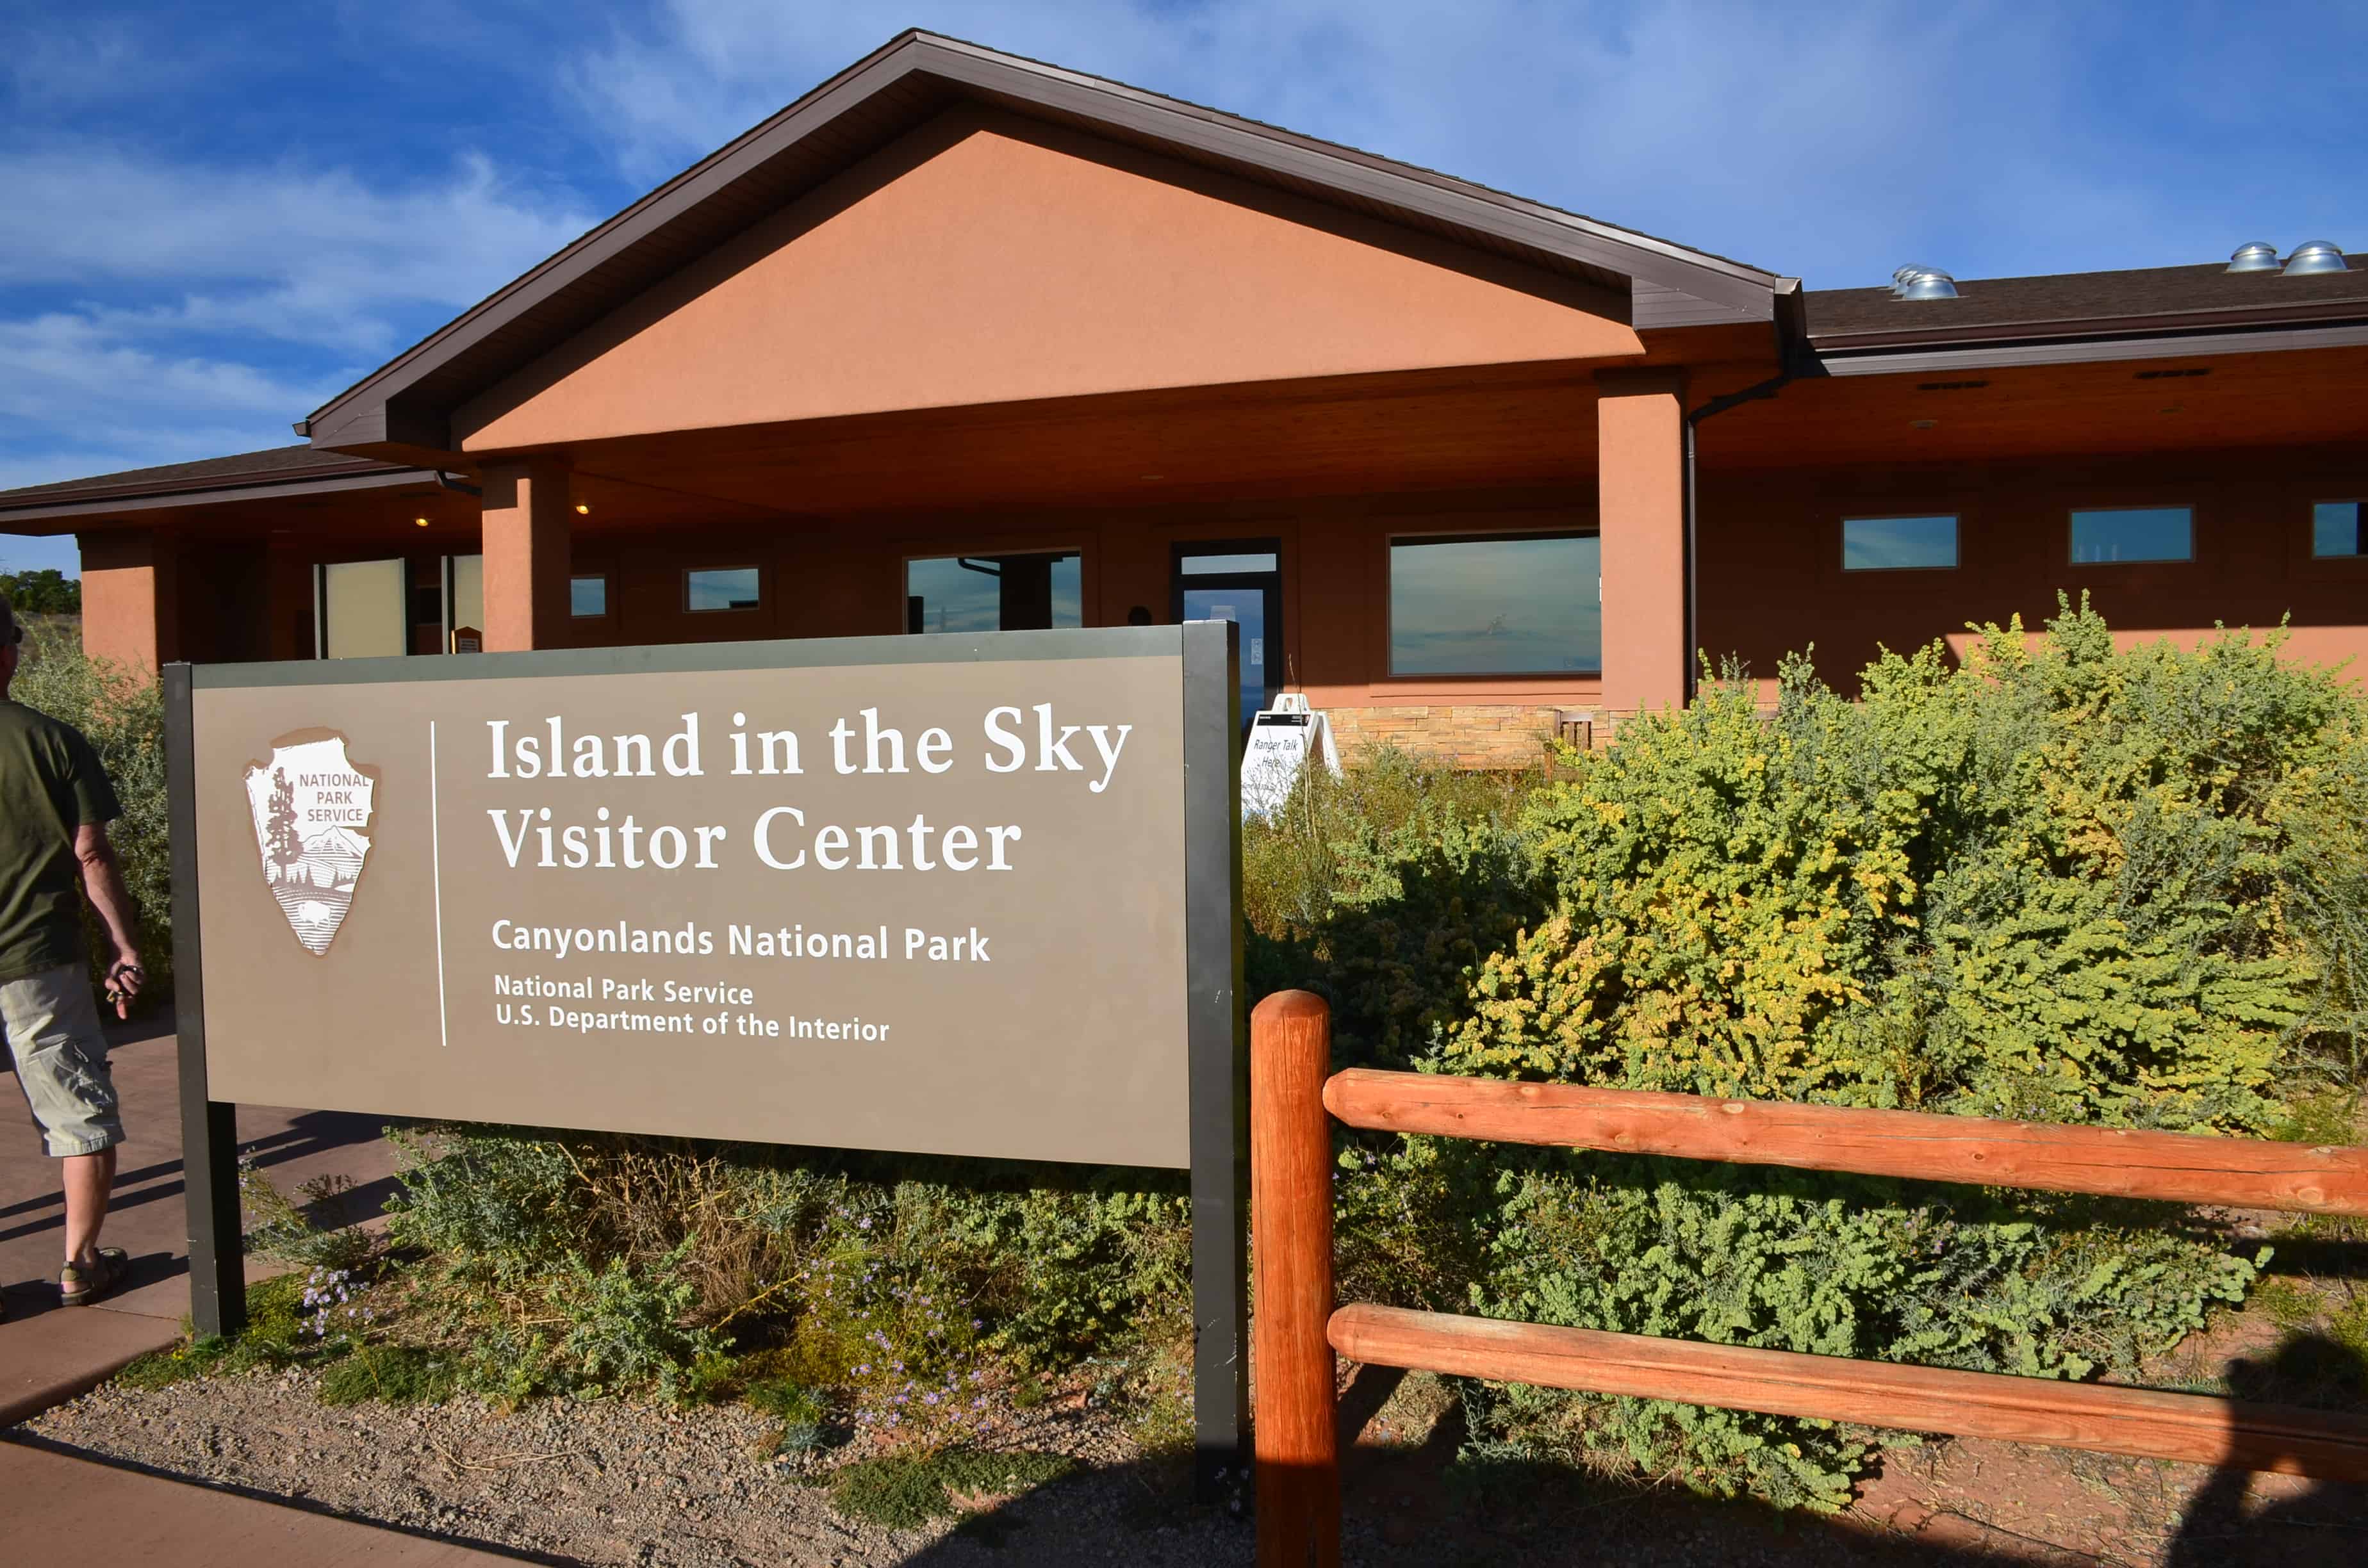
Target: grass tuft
<point>391,1374</point>
<point>902,1490</point>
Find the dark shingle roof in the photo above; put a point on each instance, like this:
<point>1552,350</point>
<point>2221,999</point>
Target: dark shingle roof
<point>2150,299</point>
<point>275,465</point>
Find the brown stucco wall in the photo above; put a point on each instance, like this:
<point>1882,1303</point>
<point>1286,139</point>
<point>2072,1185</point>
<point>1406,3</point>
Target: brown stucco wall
<point>984,260</point>
<point>131,598</point>
<point>1772,579</point>
<point>1638,419</point>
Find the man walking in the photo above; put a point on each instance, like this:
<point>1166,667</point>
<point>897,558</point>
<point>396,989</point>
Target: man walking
<point>55,803</point>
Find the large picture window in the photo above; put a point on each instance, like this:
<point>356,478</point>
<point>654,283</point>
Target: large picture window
<point>1030,592</point>
<point>2133,533</point>
<point>1497,604</point>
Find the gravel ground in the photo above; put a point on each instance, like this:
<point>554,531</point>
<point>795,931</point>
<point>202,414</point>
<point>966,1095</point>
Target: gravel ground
<point>611,1482</point>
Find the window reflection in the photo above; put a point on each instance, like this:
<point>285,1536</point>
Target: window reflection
<point>1894,544</point>
<point>2334,527</point>
<point>1029,592</point>
<point>2133,533</point>
<point>727,588</point>
<point>1522,604</point>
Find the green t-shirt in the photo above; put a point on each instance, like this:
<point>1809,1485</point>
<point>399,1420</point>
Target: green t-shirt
<point>50,783</point>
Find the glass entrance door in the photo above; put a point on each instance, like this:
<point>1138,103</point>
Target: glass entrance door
<point>1240,581</point>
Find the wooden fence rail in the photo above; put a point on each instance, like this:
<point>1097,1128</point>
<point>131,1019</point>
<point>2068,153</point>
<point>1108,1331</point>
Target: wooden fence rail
<point>2183,1167</point>
<point>1296,1329</point>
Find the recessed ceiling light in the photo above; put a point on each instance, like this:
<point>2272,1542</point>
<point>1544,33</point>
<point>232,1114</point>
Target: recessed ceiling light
<point>582,507</point>
<point>420,521</point>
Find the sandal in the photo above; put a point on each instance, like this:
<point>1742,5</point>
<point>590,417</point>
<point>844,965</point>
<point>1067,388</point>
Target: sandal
<point>78,1286</point>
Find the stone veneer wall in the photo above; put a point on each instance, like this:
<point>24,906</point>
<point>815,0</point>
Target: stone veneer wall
<point>1477,735</point>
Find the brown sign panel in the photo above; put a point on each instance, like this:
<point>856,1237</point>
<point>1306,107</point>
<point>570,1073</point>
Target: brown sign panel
<point>922,894</point>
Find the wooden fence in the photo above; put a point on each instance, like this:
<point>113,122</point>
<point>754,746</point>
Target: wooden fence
<point>1296,1329</point>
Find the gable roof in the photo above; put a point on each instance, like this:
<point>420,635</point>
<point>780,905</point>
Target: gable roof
<point>919,75</point>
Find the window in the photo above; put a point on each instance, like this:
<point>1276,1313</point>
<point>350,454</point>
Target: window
<point>1032,592</point>
<point>722,587</point>
<point>1899,544</point>
<point>2133,533</point>
<point>363,606</point>
<point>464,595</point>
<point>1192,564</point>
<point>1500,604</point>
<point>587,597</point>
<point>2334,527</point>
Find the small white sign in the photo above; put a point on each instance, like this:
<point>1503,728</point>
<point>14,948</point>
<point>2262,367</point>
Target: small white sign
<point>1281,739</point>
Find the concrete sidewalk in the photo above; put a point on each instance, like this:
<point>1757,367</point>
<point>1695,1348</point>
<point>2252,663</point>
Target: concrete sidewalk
<point>54,1505</point>
<point>48,1354</point>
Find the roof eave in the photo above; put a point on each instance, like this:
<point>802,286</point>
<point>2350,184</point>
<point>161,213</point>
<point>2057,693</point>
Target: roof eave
<point>1957,354</point>
<point>226,489</point>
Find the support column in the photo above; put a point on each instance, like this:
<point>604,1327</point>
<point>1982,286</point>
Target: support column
<point>1640,486</point>
<point>130,599</point>
<point>527,520</point>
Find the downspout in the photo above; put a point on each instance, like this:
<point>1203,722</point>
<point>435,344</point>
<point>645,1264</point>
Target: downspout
<point>1792,356</point>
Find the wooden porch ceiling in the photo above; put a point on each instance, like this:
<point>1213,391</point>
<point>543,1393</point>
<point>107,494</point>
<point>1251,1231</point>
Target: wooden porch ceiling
<point>1511,425</point>
<point>2119,408</point>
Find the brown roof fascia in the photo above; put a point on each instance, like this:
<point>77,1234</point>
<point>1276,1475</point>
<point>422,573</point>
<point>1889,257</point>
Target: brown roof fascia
<point>2148,325</point>
<point>1957,356</point>
<point>917,74</point>
<point>105,500</point>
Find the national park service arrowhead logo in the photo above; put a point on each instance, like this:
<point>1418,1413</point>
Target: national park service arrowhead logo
<point>311,807</point>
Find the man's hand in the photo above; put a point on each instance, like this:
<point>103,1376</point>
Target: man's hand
<point>104,884</point>
<point>123,978</point>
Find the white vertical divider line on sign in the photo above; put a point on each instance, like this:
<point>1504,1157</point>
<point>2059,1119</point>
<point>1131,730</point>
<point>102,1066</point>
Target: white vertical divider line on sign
<point>436,881</point>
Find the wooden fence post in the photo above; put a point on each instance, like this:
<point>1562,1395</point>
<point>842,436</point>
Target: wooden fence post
<point>1294,1432</point>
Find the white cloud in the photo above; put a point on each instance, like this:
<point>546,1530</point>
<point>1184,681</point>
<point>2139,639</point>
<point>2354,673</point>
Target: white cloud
<point>87,214</point>
<point>1836,142</point>
<point>188,310</point>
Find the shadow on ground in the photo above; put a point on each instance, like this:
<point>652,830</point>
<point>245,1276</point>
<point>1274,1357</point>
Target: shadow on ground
<point>1425,1505</point>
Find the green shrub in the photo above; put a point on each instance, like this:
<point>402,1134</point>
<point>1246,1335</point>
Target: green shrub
<point>2046,885</point>
<point>897,1285</point>
<point>901,1491</point>
<point>2058,882</point>
<point>1380,891</point>
<point>123,713</point>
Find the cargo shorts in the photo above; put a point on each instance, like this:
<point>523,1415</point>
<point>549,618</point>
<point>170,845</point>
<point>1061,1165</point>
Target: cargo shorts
<point>53,1033</point>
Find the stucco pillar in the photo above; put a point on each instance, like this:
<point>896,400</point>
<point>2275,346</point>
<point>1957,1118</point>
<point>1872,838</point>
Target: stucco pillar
<point>1640,487</point>
<point>130,599</point>
<point>526,522</point>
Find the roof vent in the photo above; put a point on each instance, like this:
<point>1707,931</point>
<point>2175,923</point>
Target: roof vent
<point>2259,257</point>
<point>1923,283</point>
<point>2316,255</point>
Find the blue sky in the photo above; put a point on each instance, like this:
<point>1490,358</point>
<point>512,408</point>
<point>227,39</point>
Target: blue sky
<point>218,214</point>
